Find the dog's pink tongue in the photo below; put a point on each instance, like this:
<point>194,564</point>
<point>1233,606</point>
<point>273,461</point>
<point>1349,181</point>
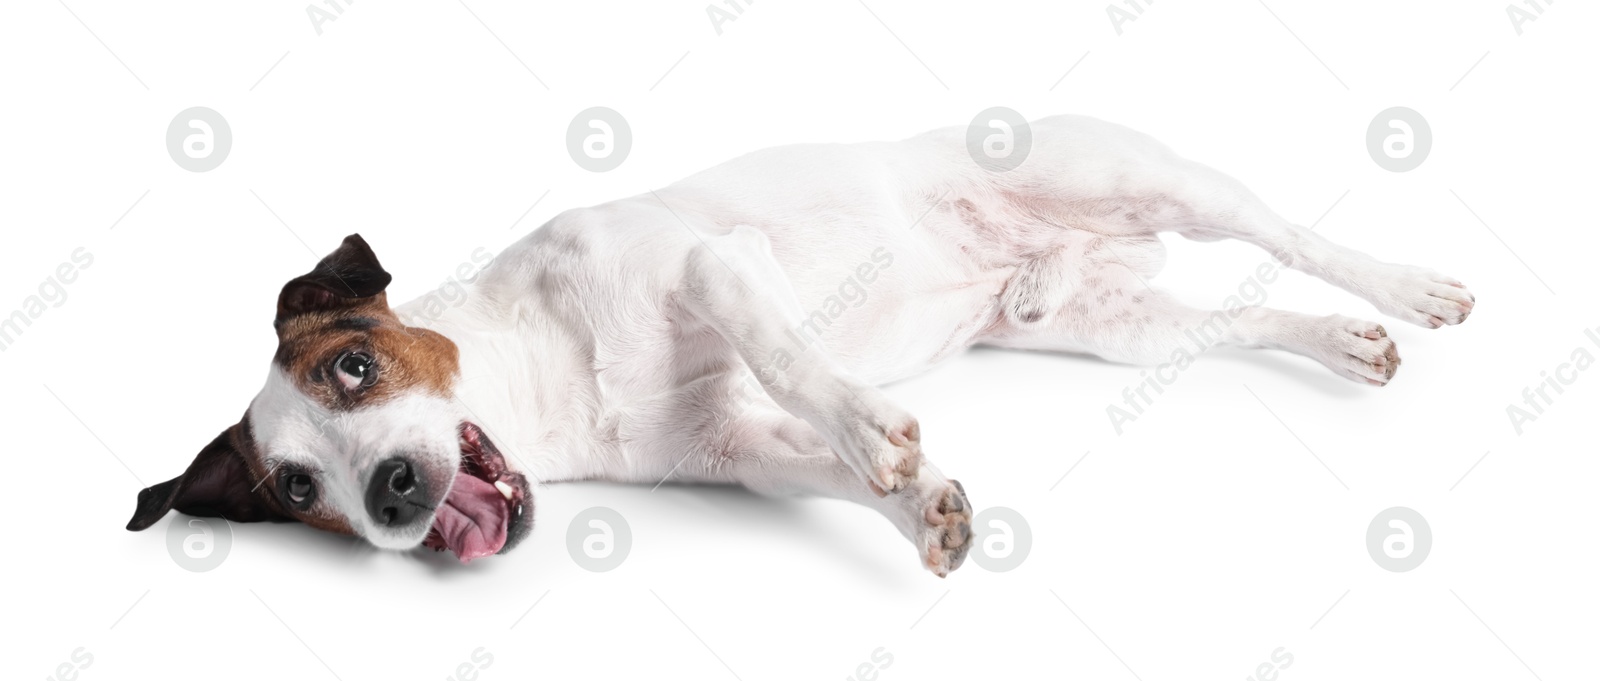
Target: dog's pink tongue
<point>472,521</point>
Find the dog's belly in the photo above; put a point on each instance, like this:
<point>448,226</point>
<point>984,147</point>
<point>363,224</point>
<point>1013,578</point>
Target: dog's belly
<point>896,255</point>
<point>888,302</point>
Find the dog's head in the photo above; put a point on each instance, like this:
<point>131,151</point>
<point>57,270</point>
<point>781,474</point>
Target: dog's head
<point>357,431</point>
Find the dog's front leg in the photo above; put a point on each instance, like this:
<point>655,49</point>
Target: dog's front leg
<point>734,284</point>
<point>772,452</point>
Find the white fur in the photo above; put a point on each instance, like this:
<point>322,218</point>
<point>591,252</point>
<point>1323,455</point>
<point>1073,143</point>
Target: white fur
<point>730,327</point>
<point>343,447</point>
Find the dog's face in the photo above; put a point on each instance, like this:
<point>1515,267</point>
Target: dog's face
<point>357,431</point>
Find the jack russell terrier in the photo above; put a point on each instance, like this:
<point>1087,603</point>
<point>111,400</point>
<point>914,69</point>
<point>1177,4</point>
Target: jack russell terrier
<point>720,330</point>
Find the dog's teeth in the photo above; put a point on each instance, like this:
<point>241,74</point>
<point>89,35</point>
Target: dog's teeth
<point>504,488</point>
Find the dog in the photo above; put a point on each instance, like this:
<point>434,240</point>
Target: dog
<point>731,327</point>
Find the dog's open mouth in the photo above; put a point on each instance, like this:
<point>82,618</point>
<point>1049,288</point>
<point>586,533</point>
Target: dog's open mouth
<point>489,508</point>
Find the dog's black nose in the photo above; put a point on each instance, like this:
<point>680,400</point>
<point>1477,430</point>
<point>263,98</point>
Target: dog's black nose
<point>396,496</point>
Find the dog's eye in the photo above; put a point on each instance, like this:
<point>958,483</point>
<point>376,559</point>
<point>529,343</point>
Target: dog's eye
<point>356,370</point>
<point>299,489</point>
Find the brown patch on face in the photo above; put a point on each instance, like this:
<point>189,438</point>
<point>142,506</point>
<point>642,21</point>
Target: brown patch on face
<point>336,309</point>
<point>404,358</point>
<point>341,346</point>
<point>230,479</point>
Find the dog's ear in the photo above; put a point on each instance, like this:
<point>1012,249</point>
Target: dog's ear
<point>216,485</point>
<point>345,278</point>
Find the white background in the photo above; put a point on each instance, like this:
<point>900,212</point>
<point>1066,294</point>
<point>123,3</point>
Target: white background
<point>1192,546</point>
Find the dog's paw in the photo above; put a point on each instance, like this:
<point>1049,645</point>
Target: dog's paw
<point>879,441</point>
<point>889,451</point>
<point>1358,350</point>
<point>945,527</point>
<point>1422,297</point>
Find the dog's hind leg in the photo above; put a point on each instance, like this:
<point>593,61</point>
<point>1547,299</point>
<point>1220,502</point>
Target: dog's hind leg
<point>732,283</point>
<point>1117,182</point>
<point>1112,313</point>
<point>1221,207</point>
